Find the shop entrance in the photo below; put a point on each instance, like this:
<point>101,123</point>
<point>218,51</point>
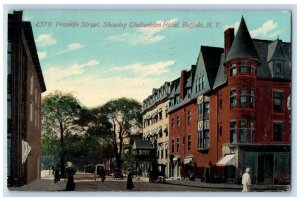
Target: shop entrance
<point>265,169</point>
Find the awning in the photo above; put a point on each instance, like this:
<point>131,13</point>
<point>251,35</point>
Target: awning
<point>227,160</point>
<point>188,161</point>
<point>26,148</point>
<point>166,129</point>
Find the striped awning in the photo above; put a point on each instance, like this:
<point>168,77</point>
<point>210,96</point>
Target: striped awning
<point>26,148</point>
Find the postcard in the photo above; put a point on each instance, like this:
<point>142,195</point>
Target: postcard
<point>149,100</point>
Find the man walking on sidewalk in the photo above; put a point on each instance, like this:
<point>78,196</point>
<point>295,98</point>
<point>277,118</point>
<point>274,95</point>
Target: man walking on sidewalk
<point>246,180</point>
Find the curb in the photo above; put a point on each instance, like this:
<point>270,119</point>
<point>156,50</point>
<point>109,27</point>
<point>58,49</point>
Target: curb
<point>262,188</point>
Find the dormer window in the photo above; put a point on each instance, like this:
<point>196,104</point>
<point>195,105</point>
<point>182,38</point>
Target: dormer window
<point>177,99</point>
<point>278,68</point>
<point>189,92</point>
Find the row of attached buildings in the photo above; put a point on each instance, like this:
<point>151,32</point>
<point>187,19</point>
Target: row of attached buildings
<point>230,109</point>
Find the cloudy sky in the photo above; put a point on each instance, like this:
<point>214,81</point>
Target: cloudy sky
<point>109,59</point>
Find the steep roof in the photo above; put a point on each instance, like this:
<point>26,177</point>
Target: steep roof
<point>242,46</point>
<point>15,21</point>
<point>266,49</point>
<point>211,56</point>
<point>142,144</point>
<point>221,77</point>
<point>173,87</point>
<point>33,51</point>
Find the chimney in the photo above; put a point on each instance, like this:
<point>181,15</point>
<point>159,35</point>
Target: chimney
<point>228,40</point>
<point>183,83</point>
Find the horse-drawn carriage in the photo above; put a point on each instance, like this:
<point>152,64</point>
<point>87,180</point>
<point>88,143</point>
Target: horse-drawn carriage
<point>157,173</point>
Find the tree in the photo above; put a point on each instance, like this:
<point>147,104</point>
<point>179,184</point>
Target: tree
<point>128,161</point>
<point>95,124</point>
<point>50,149</point>
<point>60,113</point>
<point>124,116</point>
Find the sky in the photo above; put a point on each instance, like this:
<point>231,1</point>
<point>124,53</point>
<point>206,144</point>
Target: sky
<point>99,55</point>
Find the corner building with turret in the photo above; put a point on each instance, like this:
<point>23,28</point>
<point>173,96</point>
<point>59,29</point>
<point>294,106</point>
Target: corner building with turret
<point>232,110</point>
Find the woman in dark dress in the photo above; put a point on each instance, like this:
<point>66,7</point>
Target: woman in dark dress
<point>129,181</point>
<point>70,184</point>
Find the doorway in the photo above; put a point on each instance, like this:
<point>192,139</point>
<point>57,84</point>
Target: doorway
<point>265,169</point>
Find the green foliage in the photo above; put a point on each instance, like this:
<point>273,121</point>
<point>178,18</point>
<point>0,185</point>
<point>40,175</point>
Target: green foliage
<point>125,118</point>
<point>86,136</point>
<point>128,161</point>
<point>50,150</point>
<point>60,113</point>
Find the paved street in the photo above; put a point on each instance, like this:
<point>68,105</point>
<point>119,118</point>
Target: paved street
<point>85,182</point>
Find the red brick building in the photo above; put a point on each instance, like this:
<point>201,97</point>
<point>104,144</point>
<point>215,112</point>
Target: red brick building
<point>25,83</point>
<point>234,112</point>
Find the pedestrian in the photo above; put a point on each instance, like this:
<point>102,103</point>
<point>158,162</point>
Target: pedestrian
<point>246,180</point>
<point>70,184</point>
<point>56,176</point>
<point>102,174</point>
<point>129,181</point>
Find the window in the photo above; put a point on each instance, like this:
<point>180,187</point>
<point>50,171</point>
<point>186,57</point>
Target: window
<point>244,69</point>
<point>173,122</point>
<point>189,92</point>
<point>160,132</point>
<point>160,115</point>
<point>220,132</point>
<point>277,101</point>
<point>233,130</point>
<point>252,70</point>
<point>162,153</point>
<point>9,57</point>
<point>243,98</point>
<point>173,145</point>
<point>251,99</point>
<point>31,112</point>
<point>166,152</point>
<point>177,99</point>
<point>203,139</point>
<point>189,142</point>
<point>200,111</point>
<point>31,84</point>
<point>189,117</point>
<point>177,148</point>
<point>178,122</point>
<point>252,131</point>
<point>278,68</point>
<point>199,141</point>
<point>202,82</point>
<point>243,131</point>
<point>9,106</point>
<point>277,132</point>
<point>206,138</point>
<point>206,110</point>
<point>171,104</point>
<point>220,103</point>
<point>35,117</point>
<point>166,111</point>
<point>233,70</point>
<point>232,98</point>
<point>183,140</point>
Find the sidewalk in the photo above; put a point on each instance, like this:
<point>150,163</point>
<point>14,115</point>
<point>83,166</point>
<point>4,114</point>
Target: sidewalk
<point>226,186</point>
<point>44,184</point>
